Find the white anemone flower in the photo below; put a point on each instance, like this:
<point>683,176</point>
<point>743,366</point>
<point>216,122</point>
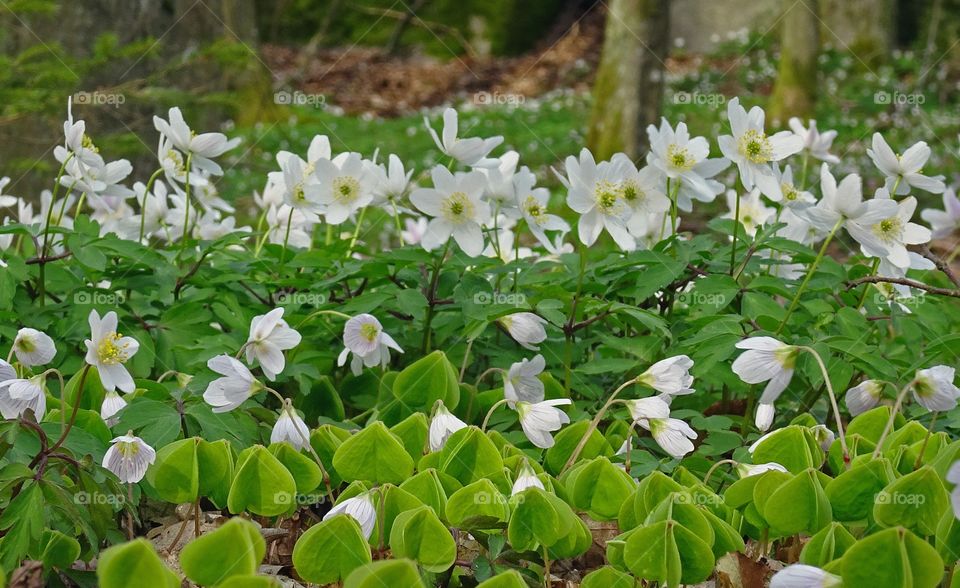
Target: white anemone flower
<point>522,382</point>
<point>763,419</point>
<point>20,394</point>
<point>290,428</point>
<point>392,182</point>
<point>202,147</point>
<point>595,191</point>
<point>526,478</point>
<point>669,376</point>
<point>804,576</point>
<point>747,469</point>
<point>442,425</point>
<point>233,388</point>
<point>345,186</point>
<point>129,457</point>
<point>457,208</point>
<point>651,407</point>
<point>532,203</point>
<point>363,336</point>
<point>672,435</point>
<point>903,171</point>
<point>108,350</point>
<point>843,203</point>
<point>682,158</point>
<point>33,347</point>
<point>863,396</point>
<point>301,189</point>
<point>269,337</point>
<point>753,213</point>
<point>753,151</point>
<point>933,388</point>
<point>641,189</point>
<point>360,508</point>
<point>540,419</point>
<point>815,143</point>
<point>472,151</point>
<point>944,222</point>
<point>889,237</point>
<point>766,360</point>
<point>793,197</point>
<point>500,190</point>
<point>525,328</point>
<point>112,404</point>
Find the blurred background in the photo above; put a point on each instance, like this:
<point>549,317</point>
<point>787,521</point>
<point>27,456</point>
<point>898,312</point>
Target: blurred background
<point>549,75</point>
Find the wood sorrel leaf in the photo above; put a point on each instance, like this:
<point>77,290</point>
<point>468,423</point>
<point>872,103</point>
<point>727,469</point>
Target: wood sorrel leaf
<point>373,454</point>
<point>236,548</point>
<point>330,550</point>
<point>262,485</point>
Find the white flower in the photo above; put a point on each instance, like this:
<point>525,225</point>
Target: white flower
<point>112,404</point>
<point>269,337</point>
<point>300,188</point>
<point>903,171</point>
<point>669,376</point>
<point>128,458</point>
<point>526,328</point>
<point>290,428</point>
<point>824,436</point>
<point>33,347</point>
<point>934,390</point>
<point>539,419</point>
<point>803,576</point>
<point>815,143</point>
<point>793,197</point>
<point>526,478</point>
<point>415,230</point>
<point>641,189</point>
<point>500,189</point>
<point>944,222</point>
<point>345,187</point>
<point>202,147</point>
<point>391,182</point>
<point>230,391</point>
<point>746,469</point>
<point>532,203</point>
<point>672,435</point>
<point>652,407</point>
<point>7,199</point>
<point>442,425</point>
<point>521,382</point>
<point>844,203</point>
<point>683,159</point>
<point>595,191</point>
<point>753,214</point>
<point>457,208</point>
<point>19,394</point>
<point>363,336</point>
<point>471,151</point>
<point>953,476</point>
<point>764,416</point>
<point>753,151</point>
<point>888,237</point>
<point>766,359</point>
<point>360,508</point>
<point>108,350</point>
<point>863,396</point>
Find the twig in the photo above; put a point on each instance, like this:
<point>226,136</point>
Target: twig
<point>941,265</point>
<point>904,282</point>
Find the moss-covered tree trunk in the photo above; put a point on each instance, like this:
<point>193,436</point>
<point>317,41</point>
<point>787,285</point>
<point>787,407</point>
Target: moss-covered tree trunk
<point>628,91</point>
<point>795,91</point>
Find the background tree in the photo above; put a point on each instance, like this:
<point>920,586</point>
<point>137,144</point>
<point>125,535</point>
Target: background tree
<point>795,91</point>
<point>628,91</point>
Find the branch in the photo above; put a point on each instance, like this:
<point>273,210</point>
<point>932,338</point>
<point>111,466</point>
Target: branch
<point>904,282</point>
<point>941,265</point>
<point>48,259</point>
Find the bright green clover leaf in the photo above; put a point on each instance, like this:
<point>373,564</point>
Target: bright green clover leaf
<point>607,577</point>
<point>915,501</point>
<point>479,505</point>
<point>419,535</point>
<point>390,572</point>
<point>236,548</point>
<point>599,488</point>
<point>799,505</point>
<point>427,380</point>
<point>373,454</point>
<point>175,475</point>
<point>330,550</point>
<point>892,558</point>
<point>469,455</point>
<point>507,579</point>
<point>668,553</point>
<point>261,485</point>
<point>216,468</point>
<point>134,564</point>
<point>829,544</point>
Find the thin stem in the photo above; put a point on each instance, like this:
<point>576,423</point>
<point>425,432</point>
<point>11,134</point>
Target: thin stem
<point>893,418</point>
<point>186,209</point>
<point>130,533</point>
<point>736,229</point>
<point>926,439</point>
<point>866,288</point>
<point>143,205</point>
<point>594,423</point>
<point>833,402</point>
<point>319,312</point>
<point>286,238</point>
<point>806,279</point>
<point>356,232</point>
<point>63,415</point>
<point>485,374</point>
<point>431,297</point>
<point>713,468</point>
<point>546,568</point>
<point>466,357</point>
<point>73,415</point>
<point>490,412</point>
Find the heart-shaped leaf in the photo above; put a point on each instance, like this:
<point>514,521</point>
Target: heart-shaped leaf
<point>373,454</point>
<point>330,550</point>
<point>236,548</point>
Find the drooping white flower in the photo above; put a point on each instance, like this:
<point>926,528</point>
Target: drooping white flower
<point>540,419</point>
<point>890,236</point>
<point>753,151</point>
<point>344,187</point>
<point>903,171</point>
<point>363,336</point>
<point>526,328</point>
<point>944,222</point>
<point>471,151</point>
<point>457,208</point>
<point>764,416</point>
<point>269,337</point>
<point>753,213</point>
<point>672,435</point>
<point>442,425</point>
<point>290,428</point>
<point>112,404</point>
<point>33,347</point>
<point>651,407</point>
<point>19,394</point>
<point>766,360</point>
<point>128,458</point>
<point>233,388</point>
<point>595,191</point>
<point>824,436</point>
<point>669,376</point>
<point>202,147</point>
<point>360,508</point>
<point>685,159</point>
<point>863,396</point>
<point>108,350</point>
<point>746,469</point>
<point>815,143</point>
<point>934,389</point>
<point>526,478</point>
<point>804,576</point>
<point>7,199</point>
<point>414,231</point>
<point>522,382</point>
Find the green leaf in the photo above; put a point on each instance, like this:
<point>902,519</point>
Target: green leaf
<point>599,488</point>
<point>479,505</point>
<point>915,501</point>
<point>330,550</point>
<point>668,553</point>
<point>799,505</point>
<point>236,548</point>
<point>58,550</point>
<point>567,439</point>
<point>174,475</point>
<point>215,466</point>
<point>892,558</point>
<point>419,535</point>
<point>306,473</point>
<point>829,544</point>
<point>390,572</point>
<point>507,579</point>
<point>852,493</point>
<point>428,488</point>
<point>134,564</point>
<point>607,577</point>
<point>794,447</point>
<point>23,522</point>
<point>427,380</point>
<point>262,485</point>
<point>469,455</point>
<point>373,454</point>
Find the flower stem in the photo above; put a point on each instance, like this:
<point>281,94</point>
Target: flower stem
<point>833,403</point>
<point>143,205</point>
<point>286,238</point>
<point>356,232</point>
<point>893,418</point>
<point>594,423</point>
<point>736,229</point>
<point>186,209</point>
<point>490,412</point>
<point>806,279</point>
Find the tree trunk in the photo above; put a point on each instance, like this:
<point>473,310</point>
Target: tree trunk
<point>628,91</point>
<point>862,27</point>
<point>795,91</point>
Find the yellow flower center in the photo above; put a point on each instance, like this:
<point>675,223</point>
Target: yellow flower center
<point>789,191</point>
<point>679,158</point>
<point>457,208</point>
<point>607,195</point>
<point>346,189</point>
<point>369,331</point>
<point>888,230</point>
<point>534,209</point>
<point>632,193</point>
<point>756,147</point>
<point>87,143</point>
<point>787,356</point>
<point>128,449</point>
<point>110,352</point>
